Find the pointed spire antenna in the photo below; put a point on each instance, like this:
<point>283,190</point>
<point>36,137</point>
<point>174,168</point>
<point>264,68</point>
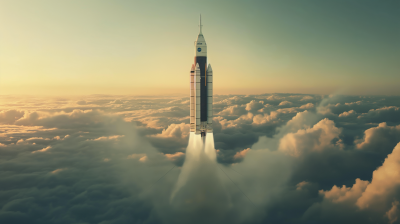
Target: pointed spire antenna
<point>200,25</point>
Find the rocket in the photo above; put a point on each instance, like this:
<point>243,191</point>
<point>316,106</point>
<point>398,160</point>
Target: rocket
<point>201,89</point>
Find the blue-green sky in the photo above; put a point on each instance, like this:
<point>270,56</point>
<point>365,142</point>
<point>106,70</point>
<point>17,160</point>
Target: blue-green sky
<point>146,47</point>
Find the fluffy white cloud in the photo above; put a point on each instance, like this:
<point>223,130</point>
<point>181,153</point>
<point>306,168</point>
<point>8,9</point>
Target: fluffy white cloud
<point>284,103</point>
<point>265,118</point>
<point>374,196</point>
<point>346,194</point>
<point>379,139</point>
<point>254,105</point>
<point>347,113</point>
<point>233,110</point>
<point>385,181</point>
<point>175,130</point>
<point>229,101</point>
<point>307,106</point>
<point>42,150</point>
<point>244,119</point>
<point>389,113</point>
<point>316,138</point>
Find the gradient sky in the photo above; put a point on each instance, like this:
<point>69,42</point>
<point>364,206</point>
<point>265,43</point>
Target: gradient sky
<point>146,47</point>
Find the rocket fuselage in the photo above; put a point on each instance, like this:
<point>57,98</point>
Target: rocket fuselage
<point>201,94</point>
<point>202,61</point>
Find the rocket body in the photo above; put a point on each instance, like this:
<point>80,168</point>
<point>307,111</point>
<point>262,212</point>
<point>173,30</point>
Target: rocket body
<point>201,89</point>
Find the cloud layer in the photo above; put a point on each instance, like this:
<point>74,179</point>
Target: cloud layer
<point>282,158</point>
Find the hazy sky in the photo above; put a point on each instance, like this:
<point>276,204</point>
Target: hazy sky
<point>146,47</point>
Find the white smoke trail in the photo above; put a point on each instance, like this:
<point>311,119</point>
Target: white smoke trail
<point>198,156</point>
<point>199,194</point>
<point>209,147</point>
<point>193,153</point>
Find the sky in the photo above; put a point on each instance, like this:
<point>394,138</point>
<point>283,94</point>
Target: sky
<point>146,47</point>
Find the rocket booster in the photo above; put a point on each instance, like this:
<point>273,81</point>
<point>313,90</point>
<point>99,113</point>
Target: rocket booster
<point>201,90</point>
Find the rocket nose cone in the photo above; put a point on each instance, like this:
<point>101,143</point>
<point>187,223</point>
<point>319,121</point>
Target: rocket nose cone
<point>193,68</point>
<point>197,66</point>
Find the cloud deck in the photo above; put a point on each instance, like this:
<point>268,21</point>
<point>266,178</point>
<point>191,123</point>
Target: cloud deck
<point>300,158</point>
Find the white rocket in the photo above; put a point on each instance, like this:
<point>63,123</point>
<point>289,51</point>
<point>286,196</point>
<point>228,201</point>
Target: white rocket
<point>201,90</point>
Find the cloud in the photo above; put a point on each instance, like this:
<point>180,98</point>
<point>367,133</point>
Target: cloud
<point>81,102</point>
<point>388,114</point>
<point>104,138</point>
<point>380,139</point>
<point>346,194</point>
<point>34,180</point>
<point>305,98</point>
<point>117,102</point>
<point>241,154</point>
<point>12,130</point>
<point>230,100</point>
<point>265,118</point>
<point>151,122</point>
<point>393,213</point>
<point>120,174</point>
<point>175,130</point>
<point>302,185</point>
<point>143,159</point>
<point>385,181</point>
<point>347,113</point>
<point>243,119</point>
<point>317,138</point>
<point>307,106</point>
<point>254,105</point>
<point>10,116</point>
<point>233,110</point>
<point>367,200</point>
<point>274,98</point>
<point>353,103</point>
<point>42,150</point>
<point>176,156</point>
<point>284,103</point>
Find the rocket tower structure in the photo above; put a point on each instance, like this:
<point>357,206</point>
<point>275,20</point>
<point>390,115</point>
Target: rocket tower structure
<point>201,89</point>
